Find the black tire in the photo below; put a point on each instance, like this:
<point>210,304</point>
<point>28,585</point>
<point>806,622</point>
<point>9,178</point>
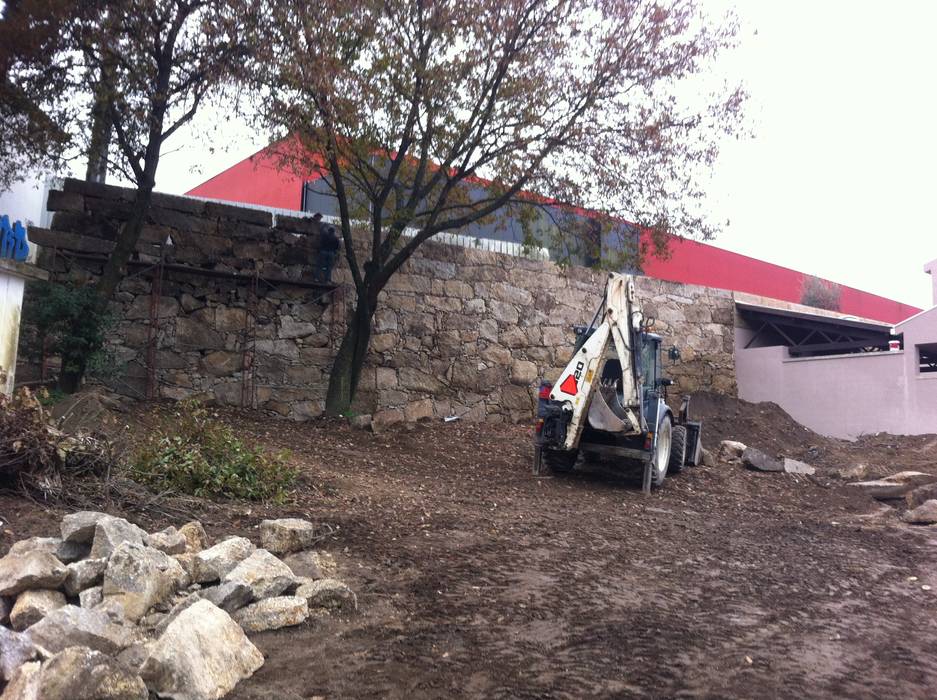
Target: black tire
<point>660,463</point>
<point>677,449</point>
<point>559,461</point>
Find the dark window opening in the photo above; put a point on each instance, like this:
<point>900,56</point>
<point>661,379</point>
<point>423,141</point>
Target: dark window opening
<point>927,357</point>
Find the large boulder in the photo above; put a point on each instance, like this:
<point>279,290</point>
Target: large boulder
<point>310,564</point>
<point>214,563</point>
<point>34,569</point>
<point>84,574</point>
<point>328,593</point>
<point>73,626</point>
<point>139,577</point>
<point>201,655</point>
<point>80,673</point>
<point>287,535</point>
<point>111,532</point>
<point>65,552</point>
<point>90,597</point>
<point>924,514</point>
<point>793,466</point>
<point>32,606</point>
<point>731,449</point>
<point>35,544</point>
<point>266,575</point>
<point>15,650</point>
<point>170,541</point>
<point>759,461</point>
<point>195,536</point>
<point>229,596</point>
<point>273,613</point>
<point>25,683</point>
<point>895,486</point>
<point>920,495</point>
<point>79,527</point>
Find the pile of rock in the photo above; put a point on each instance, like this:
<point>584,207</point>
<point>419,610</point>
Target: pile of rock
<point>734,452</point>
<point>109,610</point>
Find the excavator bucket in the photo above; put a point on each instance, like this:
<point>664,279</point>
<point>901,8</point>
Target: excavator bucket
<point>606,412</point>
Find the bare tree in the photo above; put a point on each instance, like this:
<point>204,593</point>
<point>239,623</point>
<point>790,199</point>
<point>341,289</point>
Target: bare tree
<point>403,105</point>
<point>34,73</point>
<point>150,65</point>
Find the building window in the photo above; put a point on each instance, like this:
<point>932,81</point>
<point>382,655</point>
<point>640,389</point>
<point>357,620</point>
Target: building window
<point>927,357</point>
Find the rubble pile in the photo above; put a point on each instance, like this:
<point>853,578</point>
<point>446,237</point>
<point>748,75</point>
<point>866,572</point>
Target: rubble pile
<point>914,493</point>
<point>108,610</point>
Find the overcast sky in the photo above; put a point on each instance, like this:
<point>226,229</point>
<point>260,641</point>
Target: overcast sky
<point>838,178</point>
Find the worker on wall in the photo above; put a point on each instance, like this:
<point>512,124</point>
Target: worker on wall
<point>328,252</point>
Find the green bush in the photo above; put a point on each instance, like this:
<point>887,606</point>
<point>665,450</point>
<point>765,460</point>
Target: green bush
<point>203,457</point>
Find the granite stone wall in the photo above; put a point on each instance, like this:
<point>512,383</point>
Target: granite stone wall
<point>458,331</point>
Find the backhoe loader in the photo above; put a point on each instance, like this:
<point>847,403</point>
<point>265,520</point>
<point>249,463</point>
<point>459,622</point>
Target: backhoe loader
<point>610,400</point>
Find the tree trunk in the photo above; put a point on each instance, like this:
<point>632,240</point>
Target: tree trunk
<point>346,370</point>
<point>100,141</point>
<point>115,268</point>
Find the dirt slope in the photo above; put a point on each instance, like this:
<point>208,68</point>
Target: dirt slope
<point>477,579</point>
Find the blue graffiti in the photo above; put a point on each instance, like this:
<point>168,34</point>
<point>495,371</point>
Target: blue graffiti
<point>13,242</point>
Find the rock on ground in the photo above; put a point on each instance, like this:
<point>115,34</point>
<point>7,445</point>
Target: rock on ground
<point>287,535</point>
<point>32,606</point>
<point>229,596</point>
<point>25,683</point>
<point>894,486</point>
<point>36,544</point>
<point>90,597</point>
<point>214,563</point>
<point>15,650</point>
<point>273,613</point>
<point>170,541</point>
<point>139,577</point>
<point>924,514</point>
<point>920,495</point>
<point>195,537</point>
<point>79,673</point>
<point>79,527</point>
<point>73,626</point>
<point>759,461</point>
<point>730,449</point>
<point>84,574</point>
<point>35,569</point>
<point>266,575</point>
<point>111,532</point>
<point>793,466</point>
<point>201,655</point>
<point>310,564</point>
<point>853,473</point>
<point>328,593</point>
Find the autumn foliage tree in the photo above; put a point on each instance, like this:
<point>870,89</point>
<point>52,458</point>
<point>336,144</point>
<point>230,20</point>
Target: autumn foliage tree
<point>402,105</point>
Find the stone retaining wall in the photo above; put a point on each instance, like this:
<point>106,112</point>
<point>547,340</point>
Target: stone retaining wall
<point>458,331</point>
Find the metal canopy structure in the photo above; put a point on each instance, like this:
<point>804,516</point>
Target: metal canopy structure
<point>809,335</point>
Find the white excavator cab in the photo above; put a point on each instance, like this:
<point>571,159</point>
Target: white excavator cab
<point>610,399</point>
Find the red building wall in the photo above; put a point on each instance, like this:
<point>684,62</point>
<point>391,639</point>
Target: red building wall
<point>262,179</point>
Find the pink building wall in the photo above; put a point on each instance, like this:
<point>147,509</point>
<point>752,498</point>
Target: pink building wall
<point>846,396</point>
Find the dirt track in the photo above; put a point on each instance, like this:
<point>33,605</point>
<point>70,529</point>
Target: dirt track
<point>477,579</point>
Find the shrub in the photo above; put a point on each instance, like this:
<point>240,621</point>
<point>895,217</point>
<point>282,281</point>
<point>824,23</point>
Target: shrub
<point>821,294</point>
<point>201,456</point>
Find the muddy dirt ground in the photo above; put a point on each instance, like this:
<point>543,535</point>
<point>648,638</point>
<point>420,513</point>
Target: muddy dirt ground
<point>477,579</point>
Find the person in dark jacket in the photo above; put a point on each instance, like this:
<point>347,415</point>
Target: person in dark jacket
<point>328,252</point>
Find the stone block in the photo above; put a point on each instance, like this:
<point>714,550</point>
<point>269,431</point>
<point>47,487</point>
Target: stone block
<point>419,410</point>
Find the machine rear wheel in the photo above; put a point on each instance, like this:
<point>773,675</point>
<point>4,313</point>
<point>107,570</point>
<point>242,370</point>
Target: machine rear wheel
<point>677,450</point>
<point>559,461</point>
